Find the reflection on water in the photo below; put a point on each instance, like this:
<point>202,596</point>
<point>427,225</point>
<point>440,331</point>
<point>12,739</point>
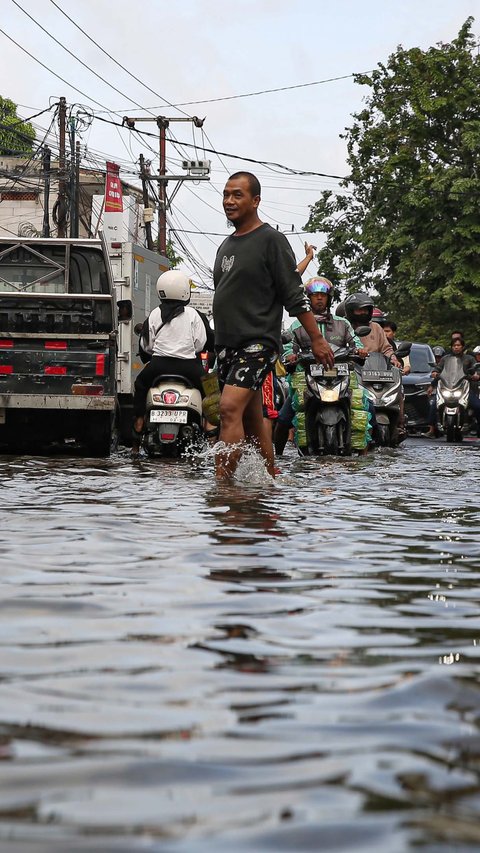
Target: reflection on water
<point>193,666</point>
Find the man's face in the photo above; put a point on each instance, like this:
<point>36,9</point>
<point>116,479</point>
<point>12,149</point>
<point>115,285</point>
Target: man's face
<point>318,301</point>
<point>361,316</point>
<point>457,347</point>
<point>238,202</point>
<point>389,332</point>
<point>477,356</point>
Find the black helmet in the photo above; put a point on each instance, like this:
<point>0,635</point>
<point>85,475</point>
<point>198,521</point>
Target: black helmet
<point>340,309</point>
<point>438,351</point>
<point>356,301</point>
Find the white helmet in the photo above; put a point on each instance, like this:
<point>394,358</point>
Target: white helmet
<point>476,350</point>
<point>174,285</point>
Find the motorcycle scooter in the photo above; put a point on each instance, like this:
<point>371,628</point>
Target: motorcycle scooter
<point>173,414</point>
<point>173,418</point>
<point>327,407</point>
<point>382,383</point>
<point>453,390</point>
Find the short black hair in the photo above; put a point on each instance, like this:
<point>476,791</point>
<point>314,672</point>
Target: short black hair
<point>253,182</point>
<point>390,323</point>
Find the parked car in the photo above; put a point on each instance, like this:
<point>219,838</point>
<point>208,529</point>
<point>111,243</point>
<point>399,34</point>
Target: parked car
<point>415,384</point>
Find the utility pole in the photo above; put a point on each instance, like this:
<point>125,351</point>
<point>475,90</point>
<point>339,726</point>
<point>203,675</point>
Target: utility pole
<point>75,227</point>
<point>146,206</point>
<point>61,205</point>
<point>46,191</point>
<point>162,187</point>
<point>198,170</point>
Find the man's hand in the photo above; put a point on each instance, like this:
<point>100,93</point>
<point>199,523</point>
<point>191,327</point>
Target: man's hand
<point>291,357</point>
<point>362,352</point>
<point>429,390</point>
<point>309,250</point>
<point>322,352</point>
<point>406,370</point>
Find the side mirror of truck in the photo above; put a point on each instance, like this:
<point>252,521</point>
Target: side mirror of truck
<point>125,309</point>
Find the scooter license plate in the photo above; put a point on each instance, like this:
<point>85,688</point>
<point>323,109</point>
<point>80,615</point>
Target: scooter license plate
<point>329,372</point>
<point>163,416</point>
<point>377,375</point>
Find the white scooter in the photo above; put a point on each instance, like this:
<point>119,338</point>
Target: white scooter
<point>173,420</point>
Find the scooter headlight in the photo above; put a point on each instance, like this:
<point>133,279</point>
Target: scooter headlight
<point>457,394</point>
<point>387,399</point>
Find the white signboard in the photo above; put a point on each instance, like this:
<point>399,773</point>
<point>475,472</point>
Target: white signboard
<point>202,300</point>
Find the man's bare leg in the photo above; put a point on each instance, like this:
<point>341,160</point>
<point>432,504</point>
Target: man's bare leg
<point>241,417</point>
<point>233,402</point>
<point>256,431</point>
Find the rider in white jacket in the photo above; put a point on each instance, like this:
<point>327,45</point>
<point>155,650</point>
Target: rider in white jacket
<point>176,335</point>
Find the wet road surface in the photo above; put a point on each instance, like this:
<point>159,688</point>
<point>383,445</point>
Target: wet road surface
<point>187,666</point>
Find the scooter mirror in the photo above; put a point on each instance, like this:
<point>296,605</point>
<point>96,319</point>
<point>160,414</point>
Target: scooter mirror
<point>403,348</point>
<point>138,328</point>
<point>363,331</point>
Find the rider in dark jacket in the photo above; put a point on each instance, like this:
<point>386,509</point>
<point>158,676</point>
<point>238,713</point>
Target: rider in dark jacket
<point>336,330</point>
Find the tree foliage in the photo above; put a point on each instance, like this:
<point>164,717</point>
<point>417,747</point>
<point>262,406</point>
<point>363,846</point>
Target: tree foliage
<point>172,256</point>
<point>406,221</point>
<point>16,136</point>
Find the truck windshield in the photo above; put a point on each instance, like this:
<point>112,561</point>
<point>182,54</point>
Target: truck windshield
<point>52,269</point>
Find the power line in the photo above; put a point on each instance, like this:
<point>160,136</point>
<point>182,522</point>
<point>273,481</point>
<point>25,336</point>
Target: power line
<point>70,53</point>
<point>266,163</point>
<point>134,77</point>
<point>269,91</point>
<point>53,72</point>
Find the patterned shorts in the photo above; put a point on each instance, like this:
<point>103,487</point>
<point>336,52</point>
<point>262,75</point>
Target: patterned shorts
<point>245,368</point>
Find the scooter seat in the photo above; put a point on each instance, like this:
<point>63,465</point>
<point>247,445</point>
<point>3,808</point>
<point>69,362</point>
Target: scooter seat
<point>164,377</point>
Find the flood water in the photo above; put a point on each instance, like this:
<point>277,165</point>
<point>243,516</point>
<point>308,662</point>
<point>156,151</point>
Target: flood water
<point>187,666</point>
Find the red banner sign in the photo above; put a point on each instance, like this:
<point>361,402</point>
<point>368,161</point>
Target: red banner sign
<point>113,190</point>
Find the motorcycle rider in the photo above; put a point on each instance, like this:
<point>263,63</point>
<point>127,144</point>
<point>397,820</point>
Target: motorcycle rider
<point>173,336</point>
<point>336,330</point>
<point>359,310</point>
<point>457,350</point>
<point>438,353</point>
<point>390,328</point>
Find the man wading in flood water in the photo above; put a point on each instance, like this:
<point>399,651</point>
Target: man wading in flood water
<point>255,277</point>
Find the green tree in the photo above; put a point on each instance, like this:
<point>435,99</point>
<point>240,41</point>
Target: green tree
<point>406,220</point>
<point>16,136</point>
<point>172,256</point>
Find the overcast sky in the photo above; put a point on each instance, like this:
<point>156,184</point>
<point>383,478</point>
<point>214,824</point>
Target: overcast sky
<point>204,49</point>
